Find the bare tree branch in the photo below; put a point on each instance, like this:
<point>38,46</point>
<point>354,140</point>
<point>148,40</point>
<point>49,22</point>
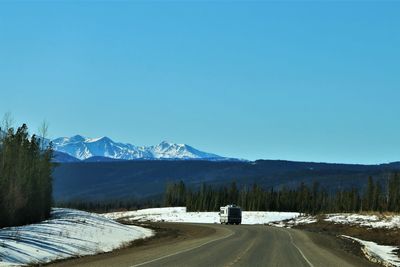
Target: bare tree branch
<point>7,121</point>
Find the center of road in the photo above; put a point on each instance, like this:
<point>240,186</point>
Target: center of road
<point>183,251</point>
<point>241,254</point>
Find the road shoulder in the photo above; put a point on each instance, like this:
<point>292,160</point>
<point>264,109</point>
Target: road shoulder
<point>326,250</point>
<point>170,238</point>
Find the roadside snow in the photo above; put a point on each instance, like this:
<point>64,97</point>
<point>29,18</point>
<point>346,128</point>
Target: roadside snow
<point>369,221</point>
<point>263,217</point>
<point>372,221</point>
<point>385,255</point>
<point>300,220</point>
<point>179,214</point>
<point>3,264</point>
<point>68,233</point>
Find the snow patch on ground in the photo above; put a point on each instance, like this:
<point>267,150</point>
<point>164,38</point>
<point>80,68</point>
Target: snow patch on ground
<point>69,233</point>
<point>300,220</point>
<point>264,217</point>
<point>371,221</point>
<point>385,255</point>
<point>179,214</point>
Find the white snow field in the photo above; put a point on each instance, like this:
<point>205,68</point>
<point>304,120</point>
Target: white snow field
<point>179,214</point>
<point>68,233</point>
<point>385,255</point>
<point>371,221</point>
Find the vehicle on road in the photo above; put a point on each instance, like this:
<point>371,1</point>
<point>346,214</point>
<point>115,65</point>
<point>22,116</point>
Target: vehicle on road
<point>230,214</point>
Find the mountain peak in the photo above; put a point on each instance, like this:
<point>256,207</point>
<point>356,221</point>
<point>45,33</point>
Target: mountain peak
<point>84,148</point>
<point>77,138</point>
<point>166,144</point>
<point>99,139</point>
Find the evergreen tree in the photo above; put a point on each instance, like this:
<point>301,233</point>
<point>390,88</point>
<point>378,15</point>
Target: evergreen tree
<point>25,178</point>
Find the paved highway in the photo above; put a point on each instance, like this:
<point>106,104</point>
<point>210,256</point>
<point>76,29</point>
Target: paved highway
<point>220,245</point>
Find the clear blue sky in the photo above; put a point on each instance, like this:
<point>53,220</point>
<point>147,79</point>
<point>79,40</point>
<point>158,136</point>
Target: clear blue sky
<point>312,81</point>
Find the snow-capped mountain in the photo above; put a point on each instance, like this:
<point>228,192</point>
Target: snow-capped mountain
<point>84,148</point>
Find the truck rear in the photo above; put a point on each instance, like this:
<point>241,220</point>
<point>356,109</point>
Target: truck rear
<point>230,214</point>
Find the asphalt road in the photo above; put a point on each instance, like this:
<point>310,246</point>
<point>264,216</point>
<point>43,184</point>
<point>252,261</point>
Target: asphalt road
<point>220,245</point>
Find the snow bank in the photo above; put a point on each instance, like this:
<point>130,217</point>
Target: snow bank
<point>372,221</point>
<point>179,214</point>
<point>68,233</point>
<point>263,217</point>
<point>385,255</point>
<point>369,221</point>
<point>300,220</point>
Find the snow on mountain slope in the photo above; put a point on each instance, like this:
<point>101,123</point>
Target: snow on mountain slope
<point>182,151</point>
<point>83,148</point>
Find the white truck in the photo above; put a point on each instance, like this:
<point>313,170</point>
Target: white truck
<point>230,214</point>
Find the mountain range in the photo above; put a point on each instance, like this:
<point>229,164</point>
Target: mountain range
<point>76,148</point>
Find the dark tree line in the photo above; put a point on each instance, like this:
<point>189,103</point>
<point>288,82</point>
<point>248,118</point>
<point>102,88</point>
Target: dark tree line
<point>304,198</point>
<point>25,178</point>
<point>373,196</point>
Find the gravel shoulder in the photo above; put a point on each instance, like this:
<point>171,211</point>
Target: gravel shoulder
<point>382,236</point>
<point>328,250</point>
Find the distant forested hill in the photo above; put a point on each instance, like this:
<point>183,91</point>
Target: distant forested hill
<point>147,179</point>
